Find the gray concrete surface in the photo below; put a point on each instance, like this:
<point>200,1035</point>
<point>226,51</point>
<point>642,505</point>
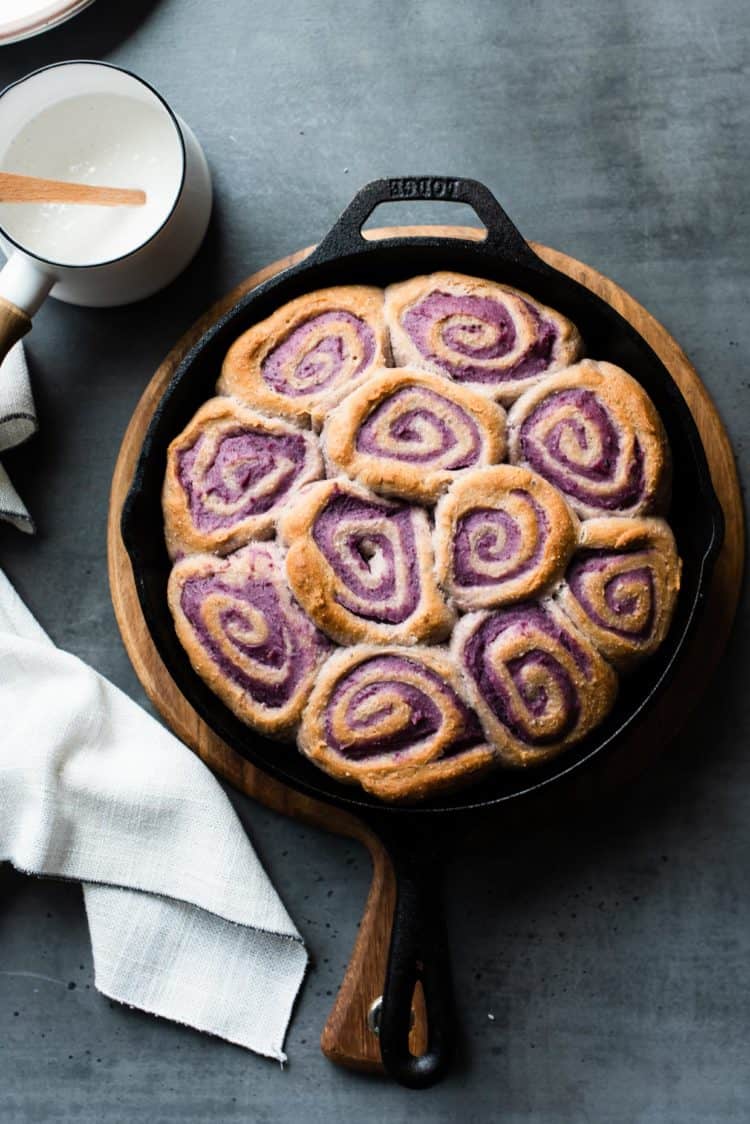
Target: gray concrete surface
<point>613,954</point>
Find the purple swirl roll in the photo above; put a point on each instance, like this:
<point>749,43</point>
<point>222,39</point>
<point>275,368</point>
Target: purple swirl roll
<point>394,721</point>
<point>228,474</point>
<point>621,589</point>
<point>502,534</point>
<point>245,636</point>
<point>536,682</point>
<point>314,350</point>
<point>362,567</point>
<point>407,433</point>
<point>593,432</point>
<point>477,332</point>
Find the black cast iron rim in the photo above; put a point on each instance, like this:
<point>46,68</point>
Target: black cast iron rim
<point>344,256</point>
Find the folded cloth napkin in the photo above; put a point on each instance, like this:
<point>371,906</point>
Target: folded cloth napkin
<point>17,424</point>
<point>184,922</point>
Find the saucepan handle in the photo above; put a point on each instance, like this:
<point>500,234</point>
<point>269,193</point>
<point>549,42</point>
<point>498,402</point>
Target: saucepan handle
<point>419,952</point>
<point>23,287</point>
<point>503,237</point>
<point>14,324</point>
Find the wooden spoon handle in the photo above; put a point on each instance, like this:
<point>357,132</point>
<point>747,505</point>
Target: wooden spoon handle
<point>31,189</point>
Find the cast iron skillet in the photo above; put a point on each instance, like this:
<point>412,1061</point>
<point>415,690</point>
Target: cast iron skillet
<point>419,947</point>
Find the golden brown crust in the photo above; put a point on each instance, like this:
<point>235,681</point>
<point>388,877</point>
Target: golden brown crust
<point>632,419</point>
<point>320,591</point>
<point>330,568</point>
<point>401,297</point>
<point>422,480</point>
<point>533,522</point>
<point>627,617</point>
<point>416,771</point>
<point>215,421</point>
<point>526,664</point>
<point>256,563</point>
<point>242,373</point>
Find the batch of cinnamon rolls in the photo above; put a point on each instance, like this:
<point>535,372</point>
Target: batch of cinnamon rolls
<point>419,534</point>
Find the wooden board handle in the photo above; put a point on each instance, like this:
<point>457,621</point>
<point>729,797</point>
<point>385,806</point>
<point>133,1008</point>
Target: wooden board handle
<point>14,323</point>
<point>347,1037</point>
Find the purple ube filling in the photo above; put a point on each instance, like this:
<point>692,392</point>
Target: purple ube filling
<point>405,429</point>
<point>507,533</point>
<point>242,460</point>
<point>425,716</point>
<point>320,365</point>
<point>525,619</point>
<point>389,605</point>
<point>621,604</point>
<point>418,320</point>
<point>293,641</point>
<point>570,477</point>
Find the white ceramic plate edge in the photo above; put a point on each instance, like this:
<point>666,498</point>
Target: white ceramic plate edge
<point>12,30</point>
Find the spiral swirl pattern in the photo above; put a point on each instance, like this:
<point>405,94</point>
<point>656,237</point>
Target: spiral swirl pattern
<point>332,347</point>
<point>227,475</point>
<point>478,332</point>
<point>421,427</point>
<point>362,567</point>
<point>503,534</point>
<point>393,721</point>
<point>332,542</point>
<point>536,682</point>
<point>245,635</point>
<point>594,433</point>
<point>408,433</point>
<point>622,588</point>
<point>309,354</point>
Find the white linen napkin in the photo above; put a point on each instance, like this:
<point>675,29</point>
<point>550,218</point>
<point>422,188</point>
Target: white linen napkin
<point>17,424</point>
<point>184,921</point>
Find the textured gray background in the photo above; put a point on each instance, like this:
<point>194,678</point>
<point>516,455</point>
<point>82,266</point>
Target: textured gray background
<point>613,954</point>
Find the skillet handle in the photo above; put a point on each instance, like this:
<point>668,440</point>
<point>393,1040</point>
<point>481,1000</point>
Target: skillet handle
<point>419,951</point>
<point>503,238</point>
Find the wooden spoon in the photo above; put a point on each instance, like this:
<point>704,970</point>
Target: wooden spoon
<point>32,189</point>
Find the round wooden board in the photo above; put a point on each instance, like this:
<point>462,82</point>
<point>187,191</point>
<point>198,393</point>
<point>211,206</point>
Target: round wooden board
<point>346,1038</point>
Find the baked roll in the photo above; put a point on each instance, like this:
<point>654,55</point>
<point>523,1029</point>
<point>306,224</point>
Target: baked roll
<point>408,433</point>
<point>362,567</point>
<point>308,354</point>
<point>536,682</point>
<point>489,336</point>
<point>622,588</point>
<point>502,534</point>
<point>594,433</point>
<point>245,636</point>
<point>228,473</point>
<point>393,721</point>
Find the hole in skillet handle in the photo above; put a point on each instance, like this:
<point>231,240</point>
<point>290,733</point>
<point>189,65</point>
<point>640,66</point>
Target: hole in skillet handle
<point>419,951</point>
<point>503,238</point>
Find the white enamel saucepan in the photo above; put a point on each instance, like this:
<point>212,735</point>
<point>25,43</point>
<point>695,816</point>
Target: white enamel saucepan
<point>93,122</point>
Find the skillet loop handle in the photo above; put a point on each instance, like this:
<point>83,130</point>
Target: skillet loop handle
<point>419,951</point>
<point>503,237</point>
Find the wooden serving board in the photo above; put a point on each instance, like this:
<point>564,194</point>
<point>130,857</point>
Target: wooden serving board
<point>346,1038</point>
